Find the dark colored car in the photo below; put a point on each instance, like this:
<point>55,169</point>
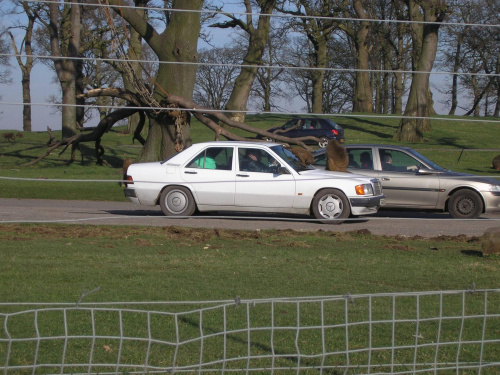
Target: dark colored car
<point>411,181</point>
<point>322,128</point>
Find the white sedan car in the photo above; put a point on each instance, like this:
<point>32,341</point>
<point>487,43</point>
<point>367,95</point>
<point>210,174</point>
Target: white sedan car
<point>249,177</point>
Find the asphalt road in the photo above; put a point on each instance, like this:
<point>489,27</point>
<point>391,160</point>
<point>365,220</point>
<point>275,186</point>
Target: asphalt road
<point>122,213</point>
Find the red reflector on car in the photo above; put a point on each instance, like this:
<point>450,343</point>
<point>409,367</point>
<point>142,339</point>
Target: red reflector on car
<point>335,132</point>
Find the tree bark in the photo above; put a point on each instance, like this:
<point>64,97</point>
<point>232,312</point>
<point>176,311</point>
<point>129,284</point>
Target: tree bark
<point>454,85</point>
<point>177,43</point>
<point>27,66</point>
<point>425,41</point>
<point>253,57</point>
<point>65,42</point>
<point>363,89</point>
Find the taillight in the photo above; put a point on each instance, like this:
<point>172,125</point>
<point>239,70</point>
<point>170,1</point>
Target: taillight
<point>335,132</point>
<point>129,180</point>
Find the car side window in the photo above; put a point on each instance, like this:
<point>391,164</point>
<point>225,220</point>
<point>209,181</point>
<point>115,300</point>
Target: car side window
<point>307,124</point>
<point>256,160</point>
<point>398,161</point>
<point>213,158</point>
<point>291,125</point>
<point>360,158</point>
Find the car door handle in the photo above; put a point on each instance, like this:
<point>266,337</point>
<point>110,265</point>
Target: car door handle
<point>386,179</point>
<point>242,175</point>
<point>190,172</point>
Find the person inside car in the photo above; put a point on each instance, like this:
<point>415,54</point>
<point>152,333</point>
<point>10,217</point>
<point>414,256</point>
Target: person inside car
<point>366,160</point>
<point>387,165</point>
<point>251,162</point>
<point>205,160</point>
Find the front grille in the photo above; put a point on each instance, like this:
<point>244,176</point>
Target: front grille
<point>377,187</point>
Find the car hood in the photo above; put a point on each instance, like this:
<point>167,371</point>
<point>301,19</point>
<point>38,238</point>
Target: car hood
<point>322,173</point>
<point>470,177</point>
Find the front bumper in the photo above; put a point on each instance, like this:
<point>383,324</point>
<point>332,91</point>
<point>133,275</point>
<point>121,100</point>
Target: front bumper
<point>368,201</point>
<point>491,202</point>
<point>366,205</point>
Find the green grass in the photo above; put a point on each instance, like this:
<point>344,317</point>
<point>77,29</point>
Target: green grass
<point>55,263</point>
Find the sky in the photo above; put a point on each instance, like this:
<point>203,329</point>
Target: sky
<point>43,86</point>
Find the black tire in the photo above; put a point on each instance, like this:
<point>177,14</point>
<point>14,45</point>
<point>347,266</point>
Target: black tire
<point>177,201</point>
<point>465,204</point>
<point>323,143</point>
<point>331,206</point>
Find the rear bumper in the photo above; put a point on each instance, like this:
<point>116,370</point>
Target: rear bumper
<point>131,194</point>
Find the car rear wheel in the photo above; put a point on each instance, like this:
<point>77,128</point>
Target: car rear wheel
<point>323,143</point>
<point>177,201</point>
<point>465,204</point>
<point>331,206</point>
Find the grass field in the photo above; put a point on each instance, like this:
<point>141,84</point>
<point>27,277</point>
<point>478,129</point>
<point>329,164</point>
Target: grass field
<point>58,263</point>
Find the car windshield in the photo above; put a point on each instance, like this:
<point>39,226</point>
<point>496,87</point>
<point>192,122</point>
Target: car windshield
<point>427,161</point>
<point>290,158</point>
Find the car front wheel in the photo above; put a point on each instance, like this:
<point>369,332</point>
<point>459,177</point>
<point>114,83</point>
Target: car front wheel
<point>331,206</point>
<point>465,204</point>
<point>177,201</point>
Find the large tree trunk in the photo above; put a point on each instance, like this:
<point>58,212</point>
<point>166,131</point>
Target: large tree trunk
<point>135,52</point>
<point>65,42</point>
<point>317,76</point>
<point>363,90</point>
<point>399,82</point>
<point>425,41</point>
<point>27,66</point>
<point>256,46</point>
<point>177,43</point>
<point>454,86</point>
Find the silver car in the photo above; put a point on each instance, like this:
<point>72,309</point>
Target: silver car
<point>411,181</point>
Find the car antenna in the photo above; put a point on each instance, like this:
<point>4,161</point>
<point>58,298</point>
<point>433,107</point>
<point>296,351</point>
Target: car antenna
<point>458,160</point>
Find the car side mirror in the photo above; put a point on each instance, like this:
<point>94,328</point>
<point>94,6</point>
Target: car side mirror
<point>282,170</point>
<point>424,171</point>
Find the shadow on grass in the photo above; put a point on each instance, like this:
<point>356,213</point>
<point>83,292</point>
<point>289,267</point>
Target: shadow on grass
<point>472,253</point>
<point>451,141</point>
<point>85,155</point>
<point>365,130</point>
<point>285,357</point>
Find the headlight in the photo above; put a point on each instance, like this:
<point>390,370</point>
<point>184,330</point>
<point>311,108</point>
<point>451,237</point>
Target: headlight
<point>365,189</point>
<point>495,188</point>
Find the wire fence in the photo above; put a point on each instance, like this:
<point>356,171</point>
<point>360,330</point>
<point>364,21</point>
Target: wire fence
<point>445,332</point>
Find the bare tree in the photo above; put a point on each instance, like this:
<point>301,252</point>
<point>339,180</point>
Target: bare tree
<point>4,60</point>
<point>216,75</point>
<point>257,39</point>
<point>428,15</point>
<point>267,90</point>
<point>359,32</point>
<point>316,20</point>
<point>25,48</point>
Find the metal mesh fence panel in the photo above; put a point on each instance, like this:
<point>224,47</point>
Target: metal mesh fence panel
<point>446,332</point>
